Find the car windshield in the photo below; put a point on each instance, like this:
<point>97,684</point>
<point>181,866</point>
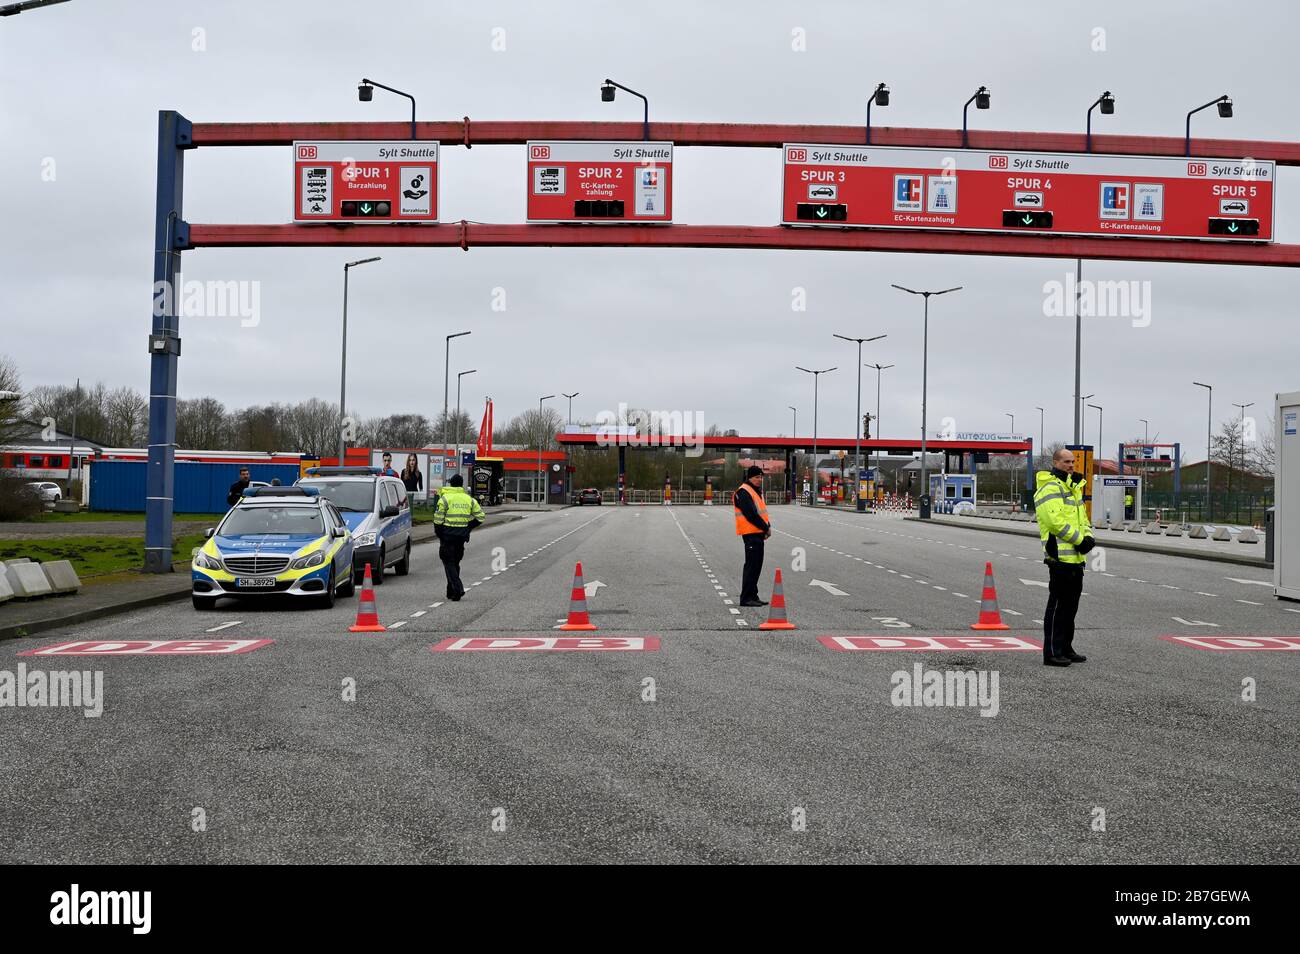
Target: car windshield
<point>291,520</point>
<point>354,495</point>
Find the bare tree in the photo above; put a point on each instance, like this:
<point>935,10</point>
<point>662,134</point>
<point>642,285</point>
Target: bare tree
<point>202,423</point>
<point>11,417</point>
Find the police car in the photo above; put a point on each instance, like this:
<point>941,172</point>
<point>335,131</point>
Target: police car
<point>283,540</point>
<point>377,511</point>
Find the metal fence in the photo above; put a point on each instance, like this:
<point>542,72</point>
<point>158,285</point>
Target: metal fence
<point>1247,509</point>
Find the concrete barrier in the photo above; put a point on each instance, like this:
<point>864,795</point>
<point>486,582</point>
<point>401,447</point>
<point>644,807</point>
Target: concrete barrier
<point>1248,535</point>
<point>28,580</point>
<point>1174,531</point>
<point>17,560</point>
<point>1197,533</point>
<point>1153,527</point>
<point>6,591</point>
<point>63,578</point>
<point>1118,525</point>
<point>1221,533</point>
<point>1136,527</point>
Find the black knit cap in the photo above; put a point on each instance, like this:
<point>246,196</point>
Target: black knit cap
<point>753,471</point>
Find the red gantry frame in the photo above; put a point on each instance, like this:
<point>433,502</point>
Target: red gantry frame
<point>173,234</point>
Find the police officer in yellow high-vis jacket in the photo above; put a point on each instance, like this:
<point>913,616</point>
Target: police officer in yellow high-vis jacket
<point>454,516</point>
<point>1066,534</point>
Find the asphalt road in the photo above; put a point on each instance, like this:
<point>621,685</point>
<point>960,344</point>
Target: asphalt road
<point>757,746</point>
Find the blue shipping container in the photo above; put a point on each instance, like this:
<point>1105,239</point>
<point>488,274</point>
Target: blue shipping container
<point>119,485</point>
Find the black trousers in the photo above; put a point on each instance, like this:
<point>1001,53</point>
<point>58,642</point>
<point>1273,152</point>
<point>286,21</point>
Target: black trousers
<point>753,565</point>
<point>451,552</point>
<point>1065,585</point>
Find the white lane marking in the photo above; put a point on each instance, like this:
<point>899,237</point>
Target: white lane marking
<point>1192,622</point>
<point>217,629</point>
<point>1038,621</point>
<point>435,605</point>
<point>400,622</point>
<point>417,615</point>
<point>1249,582</point>
<point>961,596</point>
<point>1215,595</point>
<point>735,611</point>
<point>830,588</point>
<point>728,602</point>
<point>1034,583</point>
<point>1250,602</point>
<point>938,587</point>
<point>1011,612</point>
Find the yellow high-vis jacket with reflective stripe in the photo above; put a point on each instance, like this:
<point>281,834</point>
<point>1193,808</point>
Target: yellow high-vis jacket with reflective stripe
<point>454,512</point>
<point>1062,517</point>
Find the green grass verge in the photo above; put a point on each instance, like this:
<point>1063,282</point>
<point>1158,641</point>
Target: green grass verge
<point>94,516</point>
<point>92,556</point>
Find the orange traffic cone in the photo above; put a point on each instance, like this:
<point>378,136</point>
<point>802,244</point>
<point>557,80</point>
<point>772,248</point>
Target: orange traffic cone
<point>578,618</point>
<point>776,617</point>
<point>367,615</point>
<point>990,615</point>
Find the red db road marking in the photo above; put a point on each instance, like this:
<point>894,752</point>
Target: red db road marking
<point>913,644</point>
<point>150,647</point>
<point>1225,644</point>
<point>547,643</point>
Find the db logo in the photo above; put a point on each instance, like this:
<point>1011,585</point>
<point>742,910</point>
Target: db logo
<point>1196,169</point>
<point>539,152</point>
<point>306,152</point>
<point>796,155</point>
<point>997,162</point>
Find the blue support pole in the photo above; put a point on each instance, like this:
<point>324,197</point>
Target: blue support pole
<point>170,235</point>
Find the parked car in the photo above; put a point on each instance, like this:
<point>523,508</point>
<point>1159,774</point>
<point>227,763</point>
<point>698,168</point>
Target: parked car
<point>276,540</point>
<point>377,511</point>
<point>47,490</point>
<point>590,495</point>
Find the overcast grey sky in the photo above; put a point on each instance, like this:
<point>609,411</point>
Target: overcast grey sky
<point>667,329</point>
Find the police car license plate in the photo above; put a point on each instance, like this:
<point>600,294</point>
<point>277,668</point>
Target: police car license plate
<point>246,582</point>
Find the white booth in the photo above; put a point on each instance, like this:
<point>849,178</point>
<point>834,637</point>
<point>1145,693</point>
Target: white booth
<point>1116,498</point>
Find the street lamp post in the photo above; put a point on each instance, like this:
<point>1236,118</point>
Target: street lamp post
<point>795,422</point>
<point>541,473</point>
<point>1042,445</point>
<point>981,100</point>
<point>446,379</point>
<point>881,98</point>
<point>859,502</point>
<point>607,96</point>
<point>1243,441</point>
<point>879,433</point>
<point>1146,430</point>
<point>458,377</point>
<point>816,380</point>
<point>1107,103</point>
<point>925,364</point>
<point>1209,424</point>
<point>343,359</point>
<point>568,480</point>
<point>1100,445</point>
<point>365,93</point>
<point>1013,422</point>
<point>1225,112</point>
<point>1082,428</point>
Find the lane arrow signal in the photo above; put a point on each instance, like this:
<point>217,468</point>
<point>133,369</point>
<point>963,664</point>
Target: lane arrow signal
<point>821,212</point>
<point>591,588</point>
<point>830,588</point>
<point>1232,227</point>
<point>365,208</point>
<point>1028,219</point>
<point>1034,583</point>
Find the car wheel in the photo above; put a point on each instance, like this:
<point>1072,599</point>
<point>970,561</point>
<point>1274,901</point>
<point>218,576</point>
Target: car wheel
<point>403,566</point>
<point>327,598</point>
<point>377,569</point>
<point>203,603</point>
<point>350,587</point>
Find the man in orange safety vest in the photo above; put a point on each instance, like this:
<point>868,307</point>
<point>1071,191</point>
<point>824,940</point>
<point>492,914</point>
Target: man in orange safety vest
<point>753,527</point>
